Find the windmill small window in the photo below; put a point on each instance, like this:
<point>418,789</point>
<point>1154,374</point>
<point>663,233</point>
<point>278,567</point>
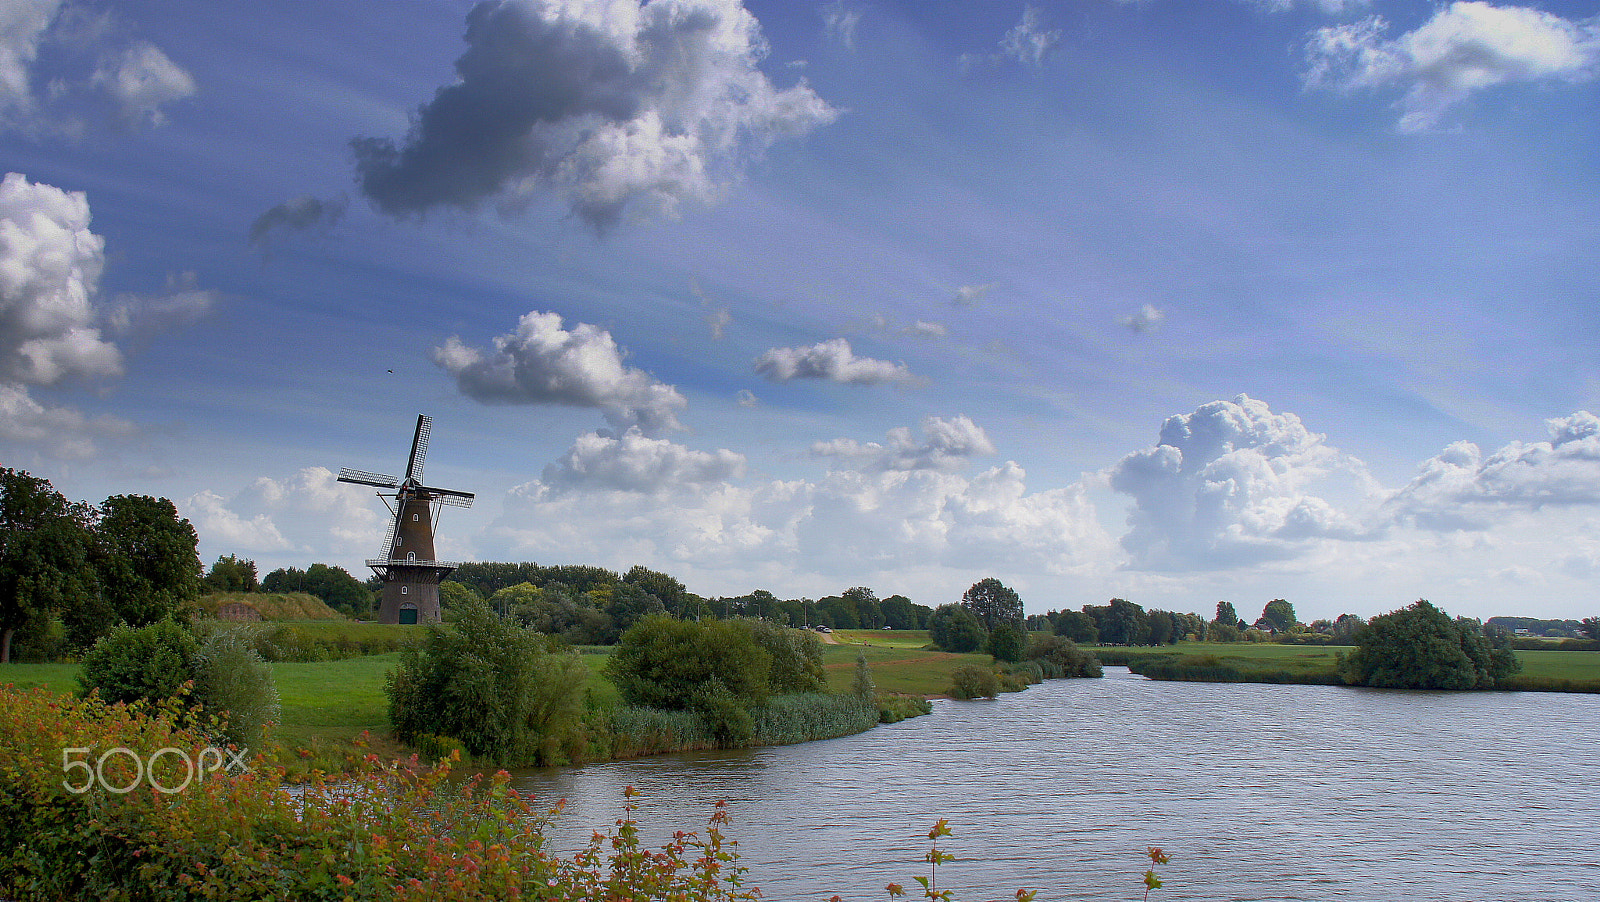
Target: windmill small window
<point>411,555</point>
<point>405,590</point>
<point>414,517</point>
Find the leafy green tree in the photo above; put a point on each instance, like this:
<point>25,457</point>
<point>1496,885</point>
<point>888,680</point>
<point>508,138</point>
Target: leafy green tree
<point>869,611</point>
<point>145,559</point>
<point>231,574</point>
<point>628,605</point>
<point>151,662</point>
<point>1591,628</point>
<point>838,612</point>
<point>44,544</point>
<point>713,667</point>
<point>1222,632</point>
<point>1121,622</point>
<point>1161,630</point>
<point>671,592</point>
<point>900,613</point>
<point>971,681</point>
<point>1226,614</point>
<point>1005,644</point>
<point>503,691</point>
<point>1061,658</point>
<point>796,657</point>
<point>1347,629</point>
<point>334,585</point>
<point>1280,614</point>
<point>1420,647</point>
<point>993,603</point>
<point>862,685</point>
<point>1077,626</point>
<point>955,628</point>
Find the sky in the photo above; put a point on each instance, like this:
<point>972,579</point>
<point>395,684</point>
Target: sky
<point>1178,301</point>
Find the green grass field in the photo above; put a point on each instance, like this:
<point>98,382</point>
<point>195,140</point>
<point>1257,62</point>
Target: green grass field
<point>332,630</point>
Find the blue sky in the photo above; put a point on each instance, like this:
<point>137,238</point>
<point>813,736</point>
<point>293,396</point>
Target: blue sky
<point>1174,301</point>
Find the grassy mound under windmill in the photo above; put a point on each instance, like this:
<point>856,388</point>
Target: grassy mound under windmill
<point>270,605</point>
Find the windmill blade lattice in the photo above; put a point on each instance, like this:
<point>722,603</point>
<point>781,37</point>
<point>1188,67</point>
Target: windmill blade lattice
<point>419,448</point>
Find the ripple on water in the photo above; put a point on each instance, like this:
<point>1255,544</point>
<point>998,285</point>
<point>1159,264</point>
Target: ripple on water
<point>1260,793</point>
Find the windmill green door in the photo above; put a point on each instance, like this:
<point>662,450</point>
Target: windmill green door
<point>408,613</point>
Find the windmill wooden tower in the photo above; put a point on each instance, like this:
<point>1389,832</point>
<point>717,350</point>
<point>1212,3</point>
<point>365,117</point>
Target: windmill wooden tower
<point>406,563</point>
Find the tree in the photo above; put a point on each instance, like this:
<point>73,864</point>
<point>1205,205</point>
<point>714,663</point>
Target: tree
<point>44,541</point>
<point>501,690</point>
<point>714,668</point>
<point>1226,614</point>
<point>1347,629</point>
<point>671,592</point>
<point>1280,614</point>
<point>796,657</point>
<point>146,561</point>
<point>231,574</point>
<point>900,613</point>
<point>1420,647</point>
<point>1591,628</point>
<point>334,585</point>
<point>1121,622</point>
<point>993,603</point>
<point>1005,643</point>
<point>955,628</point>
<point>1077,626</point>
<point>1061,658</point>
<point>1222,632</point>
<point>869,612</point>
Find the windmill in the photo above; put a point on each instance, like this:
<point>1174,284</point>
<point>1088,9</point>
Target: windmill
<point>406,563</point>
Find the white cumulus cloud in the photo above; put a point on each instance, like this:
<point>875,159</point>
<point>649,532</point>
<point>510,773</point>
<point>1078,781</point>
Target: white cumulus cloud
<point>834,361</point>
<point>1467,46</point>
<point>543,363</point>
<point>946,445</point>
<point>299,513</point>
<point>95,72</point>
<point>1145,319</point>
<point>634,462</point>
<point>1235,483</point>
<point>1461,488</point>
<point>624,108</point>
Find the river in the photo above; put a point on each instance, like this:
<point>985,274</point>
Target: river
<point>1258,792</point>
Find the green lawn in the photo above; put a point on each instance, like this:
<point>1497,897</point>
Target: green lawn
<point>1561,665</point>
<point>907,669</point>
<point>55,677</point>
<point>333,699</point>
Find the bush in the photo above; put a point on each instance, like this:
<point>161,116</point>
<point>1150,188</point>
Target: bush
<point>150,663</point>
<point>241,837</point>
<point>954,628</point>
<point>232,682</point>
<point>715,668</point>
<point>895,708</point>
<point>971,681</point>
<point>1005,644</point>
<point>499,689</point>
<point>1060,657</point>
<point>1420,647</point>
<point>803,717</point>
<point>796,657</point>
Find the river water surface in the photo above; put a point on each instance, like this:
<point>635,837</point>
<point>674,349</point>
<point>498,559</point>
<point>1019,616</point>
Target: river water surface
<point>1258,792</point>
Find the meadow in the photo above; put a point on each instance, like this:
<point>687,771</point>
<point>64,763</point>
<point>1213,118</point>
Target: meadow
<point>327,706</point>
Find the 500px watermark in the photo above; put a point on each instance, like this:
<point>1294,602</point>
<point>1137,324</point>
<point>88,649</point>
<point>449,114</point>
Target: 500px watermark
<point>207,761</point>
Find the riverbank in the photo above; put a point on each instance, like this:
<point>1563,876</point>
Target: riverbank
<point>1543,670</point>
<point>335,711</point>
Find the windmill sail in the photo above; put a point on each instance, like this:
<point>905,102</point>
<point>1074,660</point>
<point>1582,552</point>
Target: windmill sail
<point>419,448</point>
